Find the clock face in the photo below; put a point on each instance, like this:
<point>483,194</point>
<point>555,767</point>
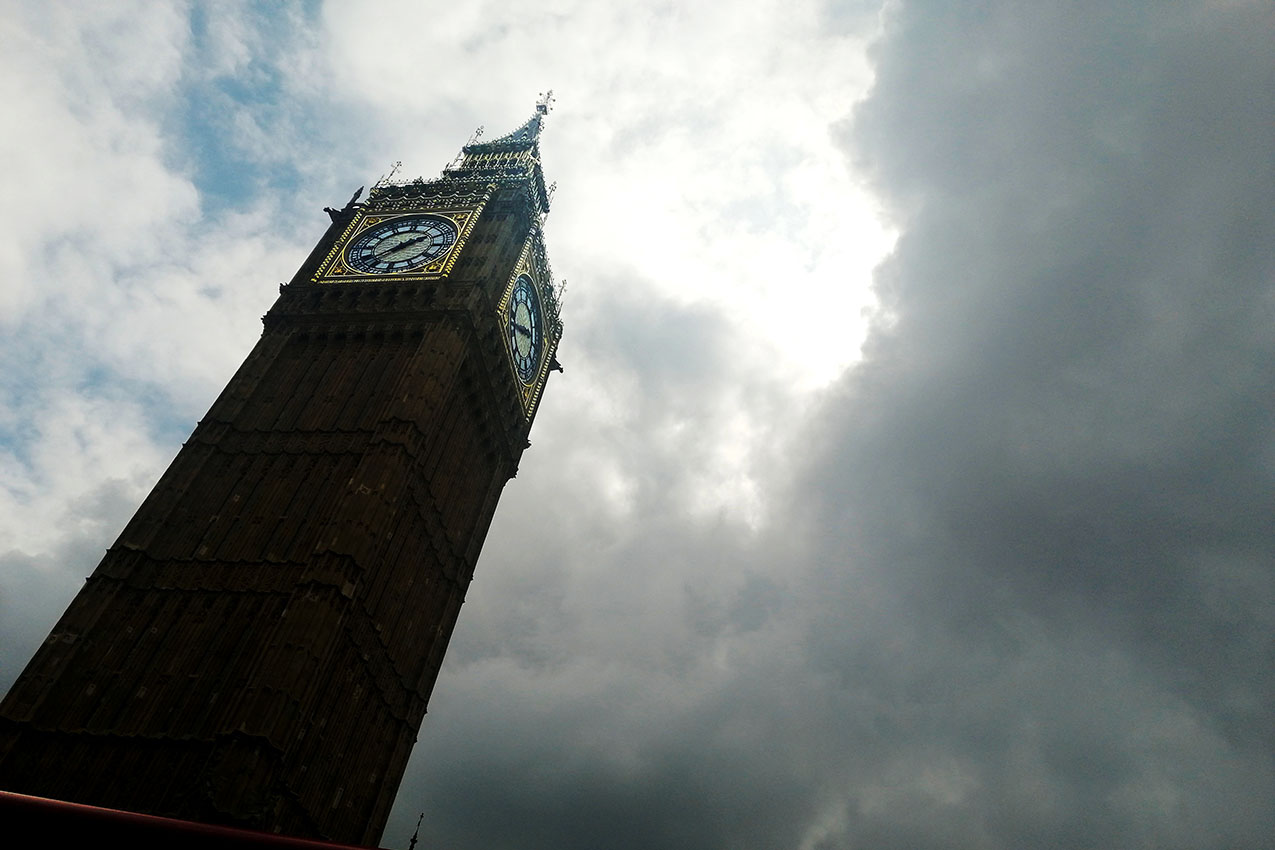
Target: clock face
<point>401,244</point>
<point>524,329</point>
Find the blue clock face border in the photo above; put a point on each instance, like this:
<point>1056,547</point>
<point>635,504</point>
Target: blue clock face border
<point>525,329</point>
<point>401,244</point>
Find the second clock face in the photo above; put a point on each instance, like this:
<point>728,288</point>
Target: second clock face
<point>401,244</point>
<point>524,329</point>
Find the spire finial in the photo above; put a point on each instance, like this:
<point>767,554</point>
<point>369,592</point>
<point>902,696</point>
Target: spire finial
<point>545,103</point>
<point>415,835</point>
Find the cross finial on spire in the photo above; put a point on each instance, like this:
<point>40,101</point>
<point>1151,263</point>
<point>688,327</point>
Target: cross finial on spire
<point>545,103</point>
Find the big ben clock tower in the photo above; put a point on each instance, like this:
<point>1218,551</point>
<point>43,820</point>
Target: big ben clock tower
<point>258,646</point>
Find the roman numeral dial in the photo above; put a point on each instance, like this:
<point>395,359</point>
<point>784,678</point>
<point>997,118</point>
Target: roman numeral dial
<point>401,244</point>
<point>524,329</point>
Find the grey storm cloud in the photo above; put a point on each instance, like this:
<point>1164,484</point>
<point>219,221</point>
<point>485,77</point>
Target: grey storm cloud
<point>1056,461</point>
<point>1015,584</point>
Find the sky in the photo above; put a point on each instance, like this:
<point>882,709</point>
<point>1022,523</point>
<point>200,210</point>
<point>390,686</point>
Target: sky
<point>910,480</point>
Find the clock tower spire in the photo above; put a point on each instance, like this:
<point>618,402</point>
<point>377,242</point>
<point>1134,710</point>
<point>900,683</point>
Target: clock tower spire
<point>259,645</point>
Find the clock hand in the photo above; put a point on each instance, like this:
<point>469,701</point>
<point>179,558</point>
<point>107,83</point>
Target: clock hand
<point>399,246</point>
<point>524,331</point>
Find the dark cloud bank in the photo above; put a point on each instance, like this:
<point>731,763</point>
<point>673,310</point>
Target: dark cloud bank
<point>1015,588</point>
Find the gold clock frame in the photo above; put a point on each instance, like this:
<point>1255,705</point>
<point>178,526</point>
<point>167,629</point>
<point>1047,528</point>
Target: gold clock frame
<point>530,263</point>
<point>334,268</point>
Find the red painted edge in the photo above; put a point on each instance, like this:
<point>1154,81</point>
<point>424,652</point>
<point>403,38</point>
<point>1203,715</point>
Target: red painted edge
<point>38,821</point>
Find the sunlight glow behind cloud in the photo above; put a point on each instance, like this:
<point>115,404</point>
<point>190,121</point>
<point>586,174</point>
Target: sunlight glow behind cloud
<point>715,182</point>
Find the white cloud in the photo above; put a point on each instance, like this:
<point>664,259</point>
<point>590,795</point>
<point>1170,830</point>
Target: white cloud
<point>690,154</point>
